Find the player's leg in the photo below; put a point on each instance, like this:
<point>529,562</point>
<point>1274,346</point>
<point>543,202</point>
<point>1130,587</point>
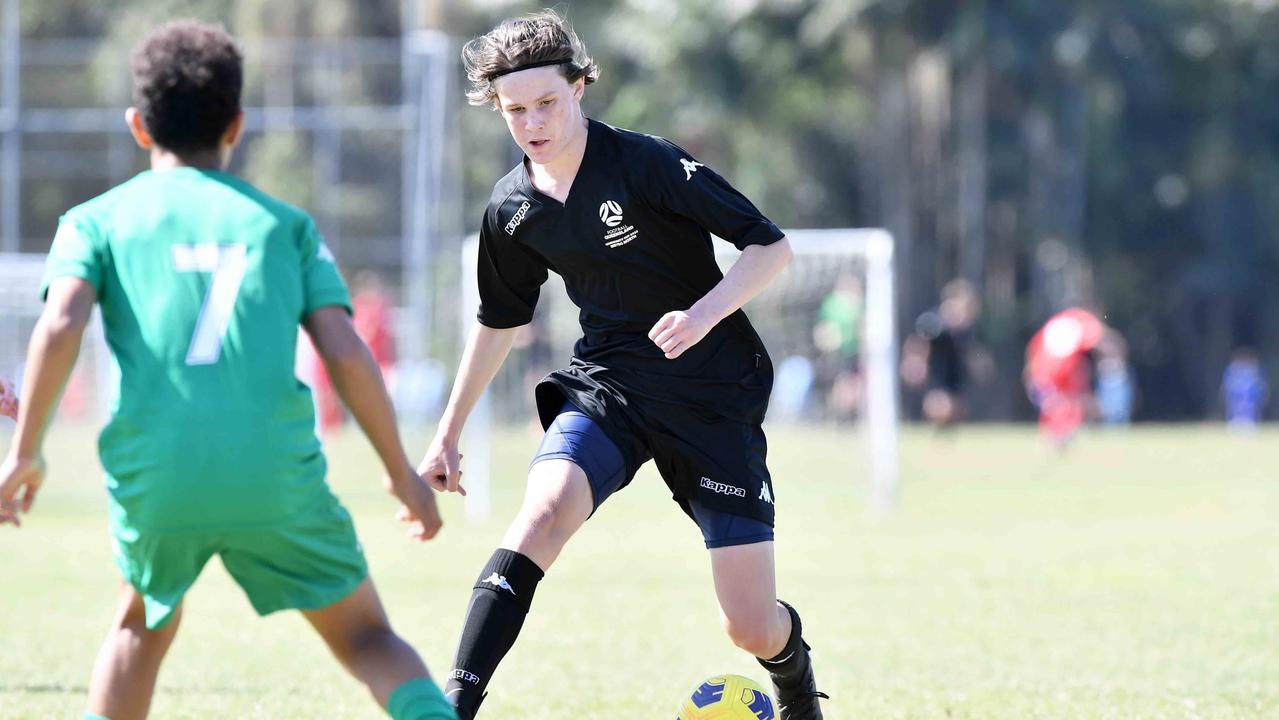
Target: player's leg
<point>158,569</point>
<point>128,662</point>
<point>556,503</point>
<point>757,622</point>
<point>574,470</point>
<point>726,488</point>
<point>358,632</point>
<point>314,563</point>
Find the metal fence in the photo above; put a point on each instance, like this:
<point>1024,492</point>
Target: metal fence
<point>354,129</point>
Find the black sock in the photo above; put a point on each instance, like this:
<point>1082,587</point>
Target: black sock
<point>792,663</point>
<point>499,602</point>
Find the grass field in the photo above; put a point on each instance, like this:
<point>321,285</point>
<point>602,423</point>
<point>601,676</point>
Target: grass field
<point>1137,576</point>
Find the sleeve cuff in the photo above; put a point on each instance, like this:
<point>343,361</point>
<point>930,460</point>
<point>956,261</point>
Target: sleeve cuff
<point>500,323</point>
<point>83,273</point>
<point>332,299</point>
<point>765,233</point>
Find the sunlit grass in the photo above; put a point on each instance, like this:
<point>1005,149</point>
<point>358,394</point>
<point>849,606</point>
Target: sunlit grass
<point>1135,576</point>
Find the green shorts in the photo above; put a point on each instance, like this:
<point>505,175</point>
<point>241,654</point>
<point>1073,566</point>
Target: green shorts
<point>308,562</point>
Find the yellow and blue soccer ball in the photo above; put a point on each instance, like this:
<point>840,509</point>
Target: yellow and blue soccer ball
<point>728,697</point>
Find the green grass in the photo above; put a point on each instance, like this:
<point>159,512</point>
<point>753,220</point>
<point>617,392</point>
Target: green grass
<point>1137,576</point>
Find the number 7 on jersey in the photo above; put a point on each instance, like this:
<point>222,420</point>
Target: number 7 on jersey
<point>228,264</point>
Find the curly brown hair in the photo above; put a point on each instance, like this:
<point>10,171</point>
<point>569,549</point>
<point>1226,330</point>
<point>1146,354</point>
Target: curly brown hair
<point>187,78</point>
<point>542,37</point>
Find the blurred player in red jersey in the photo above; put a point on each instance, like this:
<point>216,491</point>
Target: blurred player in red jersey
<point>374,320</point>
<point>8,399</point>
<point>1058,372</point>
<point>374,324</point>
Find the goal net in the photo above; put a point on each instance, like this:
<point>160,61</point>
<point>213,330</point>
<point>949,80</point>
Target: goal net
<point>828,323</point>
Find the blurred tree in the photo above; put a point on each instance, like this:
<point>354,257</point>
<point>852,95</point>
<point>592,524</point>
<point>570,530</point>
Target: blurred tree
<point>1128,148</point>
<point>1121,155</point>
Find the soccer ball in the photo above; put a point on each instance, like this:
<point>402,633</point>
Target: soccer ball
<point>728,697</point>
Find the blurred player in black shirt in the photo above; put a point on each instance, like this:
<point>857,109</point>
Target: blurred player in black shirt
<point>668,367</point>
<point>935,357</point>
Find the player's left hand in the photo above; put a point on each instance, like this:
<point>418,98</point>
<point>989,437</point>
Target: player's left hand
<point>418,509</point>
<point>678,331</point>
<point>20,480</point>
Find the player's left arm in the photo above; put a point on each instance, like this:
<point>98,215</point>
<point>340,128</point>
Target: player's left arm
<point>55,345</point>
<point>679,330</point>
<point>358,381</point>
<point>677,183</point>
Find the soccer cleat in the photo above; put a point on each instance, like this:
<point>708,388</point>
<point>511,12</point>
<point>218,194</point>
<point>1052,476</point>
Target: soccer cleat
<point>796,689</point>
<point>800,700</point>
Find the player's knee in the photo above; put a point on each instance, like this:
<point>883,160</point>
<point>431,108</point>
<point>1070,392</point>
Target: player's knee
<point>540,522</point>
<point>130,625</point>
<point>131,633</point>
<point>755,636</point>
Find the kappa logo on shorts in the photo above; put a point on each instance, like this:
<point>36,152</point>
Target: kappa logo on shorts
<point>517,218</point>
<point>765,494</point>
<point>690,167</point>
<point>723,488</point>
<point>500,581</point>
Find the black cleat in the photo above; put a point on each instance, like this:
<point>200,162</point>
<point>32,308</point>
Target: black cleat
<point>799,701</point>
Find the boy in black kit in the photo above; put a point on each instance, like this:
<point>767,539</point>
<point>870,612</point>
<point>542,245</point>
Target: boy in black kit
<point>668,367</point>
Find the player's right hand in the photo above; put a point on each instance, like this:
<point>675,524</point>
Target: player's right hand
<point>20,480</point>
<point>442,467</point>
<point>418,507</point>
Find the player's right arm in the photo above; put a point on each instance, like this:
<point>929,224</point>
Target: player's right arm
<point>55,344</point>
<point>486,350</point>
<point>509,276</point>
<point>359,383</point>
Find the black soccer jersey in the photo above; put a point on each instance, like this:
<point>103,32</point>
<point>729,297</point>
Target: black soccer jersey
<point>632,241</point>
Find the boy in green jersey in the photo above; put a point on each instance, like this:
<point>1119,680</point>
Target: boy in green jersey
<point>210,449</point>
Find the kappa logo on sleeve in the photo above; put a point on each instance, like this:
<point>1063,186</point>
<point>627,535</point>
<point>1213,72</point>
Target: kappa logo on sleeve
<point>517,218</point>
<point>690,167</point>
<point>325,254</point>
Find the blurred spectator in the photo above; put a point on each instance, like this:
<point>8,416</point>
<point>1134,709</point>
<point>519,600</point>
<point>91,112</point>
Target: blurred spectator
<point>374,321</point>
<point>311,370</point>
<point>1058,372</point>
<point>532,353</point>
<point>791,387</point>
<point>1244,389</point>
<point>8,399</point>
<point>935,357</point>
<point>838,338</point>
<point>1114,390</point>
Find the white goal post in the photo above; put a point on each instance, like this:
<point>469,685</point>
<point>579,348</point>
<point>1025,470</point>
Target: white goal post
<point>873,248</point>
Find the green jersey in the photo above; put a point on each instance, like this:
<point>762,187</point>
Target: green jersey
<point>202,282</point>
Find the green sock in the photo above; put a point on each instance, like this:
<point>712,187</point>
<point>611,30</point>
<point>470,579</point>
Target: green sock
<point>91,716</point>
<point>419,699</point>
